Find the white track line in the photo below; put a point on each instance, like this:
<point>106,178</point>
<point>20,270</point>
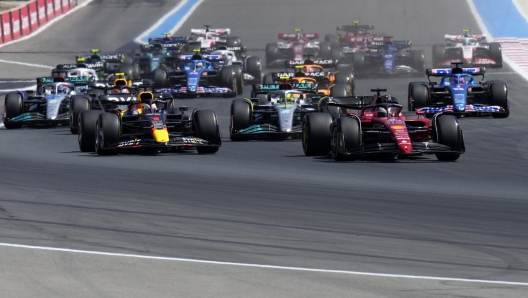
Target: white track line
<point>484,30</point>
<point>32,87</point>
<point>265,266</point>
<point>47,25</point>
<point>26,64</point>
<point>165,17</point>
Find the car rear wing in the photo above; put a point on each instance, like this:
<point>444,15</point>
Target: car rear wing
<point>456,38</point>
<point>97,65</point>
<point>295,35</point>
<point>355,27</point>
<point>325,63</point>
<point>440,72</point>
<point>351,102</point>
<point>211,58</point>
<point>226,48</point>
<point>215,31</point>
<point>161,40</point>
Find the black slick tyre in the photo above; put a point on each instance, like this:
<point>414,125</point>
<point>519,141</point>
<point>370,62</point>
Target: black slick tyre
<point>86,130</point>
<point>239,78</point>
<point>78,104</point>
<point>254,67</point>
<point>438,54</point>
<point>206,128</point>
<point>449,134</point>
<point>419,97</point>
<point>272,53</point>
<point>160,78</point>
<point>241,115</point>
<point>340,90</point>
<point>499,97</point>
<point>13,107</point>
<point>495,53</point>
<point>316,135</point>
<point>268,79</point>
<point>107,129</point>
<point>346,135</point>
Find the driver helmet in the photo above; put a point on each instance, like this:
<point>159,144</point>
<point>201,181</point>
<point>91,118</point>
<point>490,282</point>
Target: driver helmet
<point>63,89</point>
<point>312,69</point>
<point>290,97</point>
<point>462,80</point>
<point>136,109</point>
<point>87,74</point>
<point>209,36</point>
<point>466,41</point>
<point>199,65</point>
<point>382,112</point>
<point>453,80</point>
<point>274,98</point>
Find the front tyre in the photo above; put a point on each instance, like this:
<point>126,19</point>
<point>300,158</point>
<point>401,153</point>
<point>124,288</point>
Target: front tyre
<point>206,128</point>
<point>449,134</point>
<point>316,135</point>
<point>107,129</point>
<point>346,135</point>
<point>86,130</point>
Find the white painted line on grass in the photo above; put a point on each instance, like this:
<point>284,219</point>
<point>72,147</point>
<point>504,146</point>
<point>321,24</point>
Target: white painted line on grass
<point>26,64</point>
<point>266,266</point>
<point>161,21</point>
<point>47,25</point>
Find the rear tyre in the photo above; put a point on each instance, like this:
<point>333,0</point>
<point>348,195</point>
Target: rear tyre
<point>254,67</point>
<point>128,70</point>
<point>272,53</point>
<point>241,115</point>
<point>359,61</point>
<point>418,61</point>
<point>438,54</point>
<point>449,134</point>
<point>239,78</point>
<point>268,79</point>
<point>419,97</point>
<point>206,128</point>
<point>332,40</point>
<point>14,107</point>
<point>340,90</point>
<point>86,130</point>
<point>346,135</point>
<point>325,50</point>
<point>495,53</point>
<point>160,78</point>
<point>234,41</point>
<point>78,104</point>
<point>316,135</point>
<point>107,128</point>
<point>227,80</point>
<point>263,99</point>
<point>499,97</point>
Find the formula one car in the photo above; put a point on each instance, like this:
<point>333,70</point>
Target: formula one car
<point>472,50</point>
<point>296,46</point>
<point>155,56</point>
<point>458,93</point>
<point>103,65</point>
<point>381,129</point>
<point>173,43</point>
<point>210,39</point>
<point>49,105</point>
<point>329,77</point>
<point>198,75</point>
<point>355,39</point>
<point>118,90</point>
<point>147,124</point>
<point>276,112</point>
<point>388,58</point>
<point>251,65</point>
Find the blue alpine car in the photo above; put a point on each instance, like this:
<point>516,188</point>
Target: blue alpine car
<point>458,92</point>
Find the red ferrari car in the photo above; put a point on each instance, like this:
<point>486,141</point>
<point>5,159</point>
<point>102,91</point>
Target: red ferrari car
<point>380,128</point>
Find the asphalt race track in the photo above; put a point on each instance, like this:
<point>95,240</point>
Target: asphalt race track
<point>262,202</point>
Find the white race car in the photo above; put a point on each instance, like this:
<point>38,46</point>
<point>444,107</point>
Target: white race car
<point>472,50</point>
<point>251,65</point>
<point>209,39</point>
